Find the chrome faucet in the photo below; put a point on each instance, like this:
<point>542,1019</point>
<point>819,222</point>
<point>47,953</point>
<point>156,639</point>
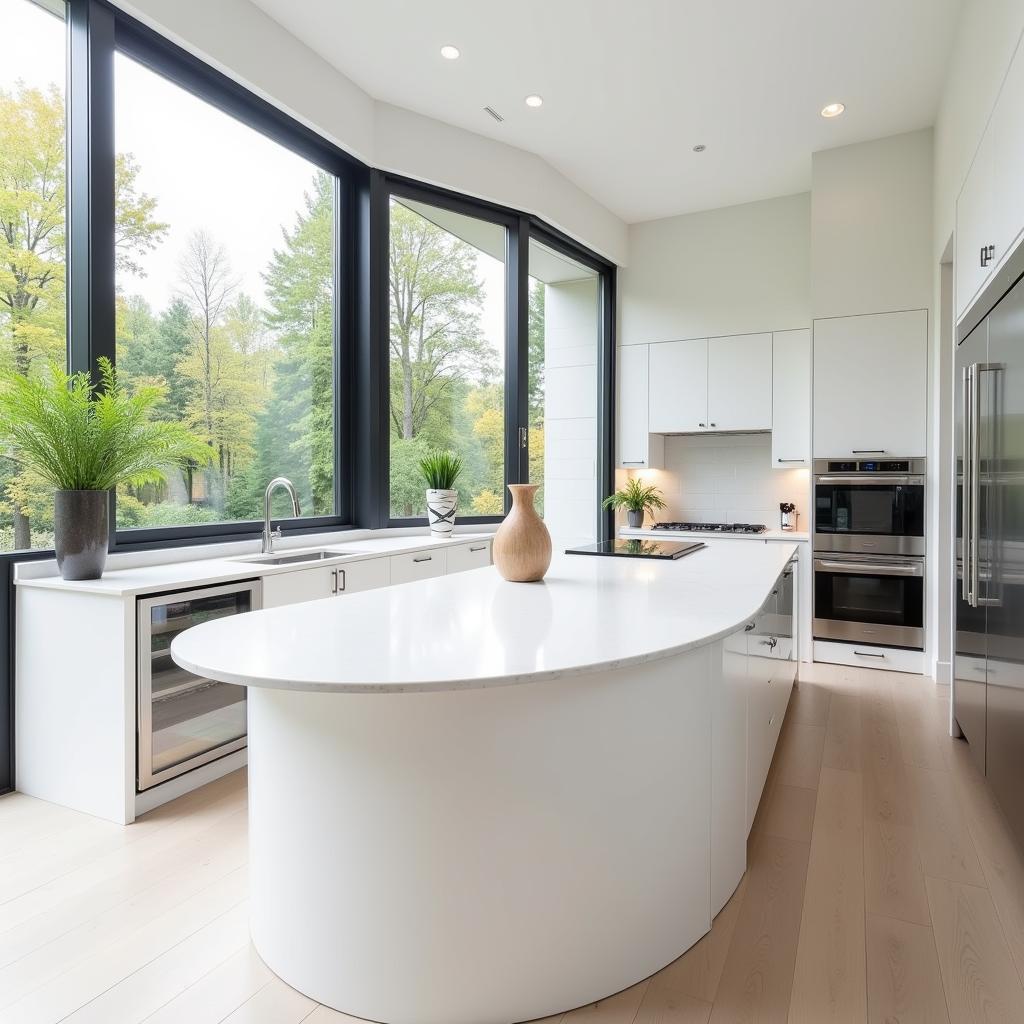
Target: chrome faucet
<point>268,533</point>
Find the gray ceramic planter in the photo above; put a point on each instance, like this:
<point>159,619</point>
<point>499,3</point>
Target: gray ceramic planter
<point>636,519</point>
<point>80,533</point>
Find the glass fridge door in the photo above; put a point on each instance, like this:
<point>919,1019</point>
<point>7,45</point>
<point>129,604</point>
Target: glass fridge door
<point>185,720</point>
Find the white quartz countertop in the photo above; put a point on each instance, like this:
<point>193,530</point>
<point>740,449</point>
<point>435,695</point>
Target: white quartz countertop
<point>473,629</point>
<point>175,575</point>
<point>791,536</point>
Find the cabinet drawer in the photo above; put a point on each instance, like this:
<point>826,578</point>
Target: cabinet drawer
<point>368,575</point>
<point>417,565</point>
<point>468,556</point>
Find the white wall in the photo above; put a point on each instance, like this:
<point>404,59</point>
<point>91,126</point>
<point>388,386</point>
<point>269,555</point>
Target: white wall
<point>570,410</point>
<point>736,270</point>
<point>728,478</point>
<point>244,43</point>
<point>871,226</point>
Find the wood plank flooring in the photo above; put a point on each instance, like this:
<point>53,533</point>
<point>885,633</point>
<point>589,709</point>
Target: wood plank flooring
<point>883,886</point>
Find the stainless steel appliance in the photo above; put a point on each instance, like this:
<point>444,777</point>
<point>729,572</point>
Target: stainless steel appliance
<point>712,527</point>
<point>988,676</point>
<point>637,547</point>
<point>871,506</point>
<point>869,599</point>
<point>184,720</point>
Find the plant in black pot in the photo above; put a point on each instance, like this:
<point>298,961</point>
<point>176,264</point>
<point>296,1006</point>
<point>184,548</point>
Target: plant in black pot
<point>84,439</point>
<point>636,498</point>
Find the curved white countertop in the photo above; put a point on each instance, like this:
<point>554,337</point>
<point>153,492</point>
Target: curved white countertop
<point>474,629</point>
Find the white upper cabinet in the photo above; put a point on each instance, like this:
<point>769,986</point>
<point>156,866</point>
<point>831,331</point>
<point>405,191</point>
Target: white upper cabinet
<point>637,448</point>
<point>975,227</point>
<point>791,399</point>
<point>870,385</point>
<point>990,208</point>
<point>679,387</point>
<point>740,382</point>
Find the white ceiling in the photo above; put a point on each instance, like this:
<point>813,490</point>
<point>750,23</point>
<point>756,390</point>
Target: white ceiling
<point>630,86</point>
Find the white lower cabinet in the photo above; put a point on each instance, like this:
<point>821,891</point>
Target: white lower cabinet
<point>324,581</point>
<point>418,565</point>
<point>752,689</point>
<point>461,557</point>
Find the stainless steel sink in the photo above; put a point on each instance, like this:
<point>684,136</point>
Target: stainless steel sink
<point>299,556</point>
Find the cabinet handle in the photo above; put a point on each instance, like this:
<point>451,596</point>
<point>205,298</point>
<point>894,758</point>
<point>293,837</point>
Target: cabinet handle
<point>867,654</point>
<point>988,254</point>
<point>340,584</point>
<point>790,460</point>
<point>479,547</point>
<point>771,721</point>
<point>712,424</point>
<point>702,425</point>
<point>748,627</point>
<point>423,558</point>
<point>334,576</point>
<point>867,451</point>
<point>626,462</point>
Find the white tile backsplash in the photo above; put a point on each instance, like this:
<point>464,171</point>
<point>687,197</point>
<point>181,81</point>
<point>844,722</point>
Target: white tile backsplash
<point>729,478</point>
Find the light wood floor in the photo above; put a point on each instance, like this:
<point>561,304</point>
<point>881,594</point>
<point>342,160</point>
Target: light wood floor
<point>883,886</point>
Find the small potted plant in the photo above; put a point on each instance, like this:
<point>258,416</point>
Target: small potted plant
<point>440,470</point>
<point>85,439</point>
<point>636,498</point>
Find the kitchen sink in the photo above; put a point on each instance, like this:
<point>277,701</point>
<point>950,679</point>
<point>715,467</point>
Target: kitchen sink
<point>299,556</point>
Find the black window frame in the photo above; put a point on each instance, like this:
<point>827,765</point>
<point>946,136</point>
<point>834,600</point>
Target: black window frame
<point>188,72</point>
<point>520,229</point>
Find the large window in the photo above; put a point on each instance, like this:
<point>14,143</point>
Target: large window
<point>446,286</point>
<point>33,305</point>
<point>225,296</point>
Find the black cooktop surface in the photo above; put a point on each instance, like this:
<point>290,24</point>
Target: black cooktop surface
<point>637,547</point>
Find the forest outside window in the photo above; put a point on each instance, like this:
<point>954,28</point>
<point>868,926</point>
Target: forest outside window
<point>33,234</point>
<point>446,287</point>
<point>225,283</point>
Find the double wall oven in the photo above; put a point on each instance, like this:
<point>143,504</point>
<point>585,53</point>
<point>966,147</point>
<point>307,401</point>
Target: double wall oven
<point>869,548</point>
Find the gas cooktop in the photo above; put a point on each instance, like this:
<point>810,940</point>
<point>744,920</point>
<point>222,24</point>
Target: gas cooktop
<point>712,527</point>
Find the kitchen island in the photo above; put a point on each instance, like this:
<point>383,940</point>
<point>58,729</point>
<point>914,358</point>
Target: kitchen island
<point>477,801</point>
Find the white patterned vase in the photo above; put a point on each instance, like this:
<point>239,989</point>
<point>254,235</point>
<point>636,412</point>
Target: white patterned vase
<point>441,507</point>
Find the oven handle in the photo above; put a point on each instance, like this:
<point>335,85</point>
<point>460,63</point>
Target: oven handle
<point>872,568</point>
<point>873,478</point>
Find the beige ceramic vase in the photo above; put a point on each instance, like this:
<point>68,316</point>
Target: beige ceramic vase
<point>522,545</point>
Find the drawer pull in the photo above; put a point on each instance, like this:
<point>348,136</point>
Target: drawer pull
<point>748,627</point>
<point>867,654</point>
<point>340,585</point>
<point>423,558</point>
<point>479,547</point>
<point>334,576</point>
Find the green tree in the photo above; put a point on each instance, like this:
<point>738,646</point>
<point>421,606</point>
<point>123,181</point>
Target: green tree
<point>33,308</point>
<point>296,434</point>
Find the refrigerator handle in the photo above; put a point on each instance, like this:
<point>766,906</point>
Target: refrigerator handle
<point>975,481</point>
<point>965,489</point>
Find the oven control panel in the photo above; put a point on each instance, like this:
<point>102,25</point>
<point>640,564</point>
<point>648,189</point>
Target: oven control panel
<point>874,466</point>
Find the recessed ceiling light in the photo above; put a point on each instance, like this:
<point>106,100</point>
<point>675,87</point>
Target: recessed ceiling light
<point>699,148</point>
<point>833,110</point>
<point>450,52</point>
<point>534,100</point>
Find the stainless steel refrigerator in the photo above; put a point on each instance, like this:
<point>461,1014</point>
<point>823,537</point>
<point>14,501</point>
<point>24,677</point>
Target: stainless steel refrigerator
<point>988,687</point>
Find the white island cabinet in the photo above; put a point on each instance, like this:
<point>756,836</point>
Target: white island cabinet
<point>445,803</point>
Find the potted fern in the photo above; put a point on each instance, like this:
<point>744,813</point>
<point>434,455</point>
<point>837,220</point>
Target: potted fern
<point>636,498</point>
<point>84,439</point>
<point>440,470</point>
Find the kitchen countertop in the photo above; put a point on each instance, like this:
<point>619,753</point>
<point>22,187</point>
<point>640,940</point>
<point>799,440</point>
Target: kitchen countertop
<point>171,575</point>
<point>474,630</point>
<point>792,536</point>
